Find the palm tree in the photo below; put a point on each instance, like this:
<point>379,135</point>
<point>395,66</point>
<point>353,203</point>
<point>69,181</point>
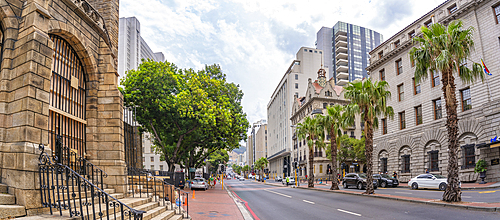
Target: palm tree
<point>370,100</point>
<point>445,49</point>
<point>311,130</point>
<point>261,164</point>
<point>335,120</point>
<point>245,169</point>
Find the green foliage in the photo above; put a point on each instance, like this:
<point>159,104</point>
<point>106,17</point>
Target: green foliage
<point>311,131</point>
<point>481,166</point>
<point>190,114</point>
<point>261,163</point>
<point>350,149</point>
<point>218,157</point>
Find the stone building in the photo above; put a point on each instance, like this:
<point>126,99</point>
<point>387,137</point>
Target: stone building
<point>318,96</point>
<point>416,139</point>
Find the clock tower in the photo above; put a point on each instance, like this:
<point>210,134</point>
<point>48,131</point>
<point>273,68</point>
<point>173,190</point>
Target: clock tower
<point>322,77</point>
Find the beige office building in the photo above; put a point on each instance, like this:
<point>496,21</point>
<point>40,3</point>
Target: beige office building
<point>279,109</point>
<point>261,142</point>
<point>151,160</point>
<point>417,138</point>
<point>318,96</point>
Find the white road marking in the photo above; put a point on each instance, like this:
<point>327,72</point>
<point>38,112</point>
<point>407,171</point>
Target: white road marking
<point>278,193</point>
<point>404,193</point>
<point>313,202</point>
<point>466,196</point>
<point>352,213</point>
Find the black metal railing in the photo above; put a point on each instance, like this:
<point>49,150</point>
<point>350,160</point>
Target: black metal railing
<point>142,183</point>
<point>62,188</point>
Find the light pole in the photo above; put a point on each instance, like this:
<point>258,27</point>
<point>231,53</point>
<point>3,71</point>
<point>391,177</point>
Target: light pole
<point>297,157</point>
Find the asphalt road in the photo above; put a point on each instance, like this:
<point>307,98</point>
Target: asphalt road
<point>271,202</point>
<point>480,195</point>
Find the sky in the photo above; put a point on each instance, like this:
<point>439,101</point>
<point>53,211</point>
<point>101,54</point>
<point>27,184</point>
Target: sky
<point>254,41</point>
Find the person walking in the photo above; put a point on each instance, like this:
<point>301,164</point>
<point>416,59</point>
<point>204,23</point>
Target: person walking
<point>395,175</point>
<point>287,180</point>
<point>211,181</point>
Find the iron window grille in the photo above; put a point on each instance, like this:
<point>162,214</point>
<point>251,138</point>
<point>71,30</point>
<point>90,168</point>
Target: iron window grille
<point>383,165</point>
<point>469,155</point>
<point>406,164</point>
<point>433,160</point>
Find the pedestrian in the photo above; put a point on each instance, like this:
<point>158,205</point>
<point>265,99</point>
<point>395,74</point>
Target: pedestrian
<point>287,180</point>
<point>211,181</point>
<point>395,175</point>
<point>426,171</point>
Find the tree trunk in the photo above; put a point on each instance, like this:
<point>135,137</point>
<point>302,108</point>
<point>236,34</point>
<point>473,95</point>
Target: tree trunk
<point>369,153</point>
<point>333,152</point>
<point>452,192</point>
<point>310,183</point>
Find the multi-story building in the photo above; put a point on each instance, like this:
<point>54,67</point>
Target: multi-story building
<point>250,153</point>
<point>417,138</point>
<point>261,142</point>
<point>318,96</point>
<point>346,48</point>
<point>132,48</point>
<point>150,159</point>
<point>290,87</point>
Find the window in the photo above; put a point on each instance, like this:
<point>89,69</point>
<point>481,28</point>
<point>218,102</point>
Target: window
<point>310,51</point>
<point>418,115</point>
<point>402,121</point>
<point>435,78</point>
<point>469,155</point>
<point>384,126</point>
<point>161,167</point>
<point>452,8</point>
<point>433,160</point>
<point>152,167</point>
<point>406,164</point>
<point>352,134</point>
<point>397,44</point>
<point>437,109</point>
<point>411,34</point>
<point>321,168</point>
<point>380,54</point>
<point>416,87</point>
<point>152,159</point>
<point>296,95</point>
<point>305,50</point>
<point>296,76</point>
<point>399,67</point>
<point>496,11</point>
<point>428,23</point>
<point>466,99</point>
<point>325,105</point>
<point>152,149</point>
<point>382,75</point>
<point>296,85</point>
<point>345,132</point>
<point>401,93</point>
<point>383,165</point>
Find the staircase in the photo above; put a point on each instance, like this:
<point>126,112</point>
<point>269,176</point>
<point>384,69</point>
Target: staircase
<point>8,209</point>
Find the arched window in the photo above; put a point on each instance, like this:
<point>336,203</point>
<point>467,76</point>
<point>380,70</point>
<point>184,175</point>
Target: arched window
<point>67,99</point>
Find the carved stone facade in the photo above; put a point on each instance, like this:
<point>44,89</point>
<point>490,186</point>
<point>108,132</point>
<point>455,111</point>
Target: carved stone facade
<point>423,141</point>
<point>91,28</point>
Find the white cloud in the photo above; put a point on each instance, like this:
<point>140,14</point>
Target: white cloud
<point>255,41</point>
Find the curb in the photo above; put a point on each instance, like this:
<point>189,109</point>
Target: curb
<point>429,202</point>
<point>469,188</point>
<point>244,211</point>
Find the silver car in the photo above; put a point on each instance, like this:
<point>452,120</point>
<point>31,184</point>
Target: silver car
<point>199,183</point>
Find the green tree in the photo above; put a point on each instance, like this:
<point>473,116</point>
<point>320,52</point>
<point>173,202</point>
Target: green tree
<point>444,49</point>
<point>216,158</point>
<point>333,122</point>
<point>261,164</point>
<point>370,100</point>
<point>245,169</point>
<point>311,131</point>
<point>190,114</point>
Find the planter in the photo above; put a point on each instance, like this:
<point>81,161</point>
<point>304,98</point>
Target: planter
<point>482,175</point>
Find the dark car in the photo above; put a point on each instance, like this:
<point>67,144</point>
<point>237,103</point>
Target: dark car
<point>357,180</point>
<point>385,180</point>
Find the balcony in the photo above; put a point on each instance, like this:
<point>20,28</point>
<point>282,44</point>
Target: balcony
<point>341,56</point>
<point>341,44</point>
<point>342,68</point>
<point>341,49</point>
<point>341,37</point>
<point>342,75</point>
<point>341,32</point>
<point>342,82</point>
<point>341,62</point>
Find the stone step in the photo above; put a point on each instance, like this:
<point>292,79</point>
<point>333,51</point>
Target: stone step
<point>7,199</point>
<point>176,217</point>
<point>12,211</point>
<point>152,209</point>
<point>4,188</point>
<point>167,214</point>
<point>130,202</point>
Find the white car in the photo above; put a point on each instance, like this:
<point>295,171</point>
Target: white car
<point>429,181</point>
<point>291,181</point>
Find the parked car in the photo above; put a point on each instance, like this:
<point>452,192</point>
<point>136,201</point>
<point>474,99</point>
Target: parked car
<point>291,181</point>
<point>357,180</point>
<point>278,179</point>
<point>385,180</point>
<point>242,178</point>
<point>257,177</point>
<point>429,181</point>
<point>199,183</point>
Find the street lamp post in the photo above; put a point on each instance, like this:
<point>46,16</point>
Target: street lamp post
<point>297,163</point>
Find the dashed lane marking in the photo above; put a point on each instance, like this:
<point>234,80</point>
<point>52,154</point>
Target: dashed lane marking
<point>467,197</point>
<point>352,213</point>
<point>308,201</point>
<point>278,193</point>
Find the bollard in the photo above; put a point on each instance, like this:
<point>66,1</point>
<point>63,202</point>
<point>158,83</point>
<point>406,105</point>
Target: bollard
<point>193,194</point>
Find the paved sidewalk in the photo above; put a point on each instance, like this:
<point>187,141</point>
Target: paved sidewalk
<point>213,204</point>
<point>492,207</point>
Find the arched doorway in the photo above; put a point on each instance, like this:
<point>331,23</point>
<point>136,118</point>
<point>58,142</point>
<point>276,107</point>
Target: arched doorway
<point>67,122</point>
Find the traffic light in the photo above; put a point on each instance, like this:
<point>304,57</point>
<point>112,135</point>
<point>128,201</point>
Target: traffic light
<point>222,168</point>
